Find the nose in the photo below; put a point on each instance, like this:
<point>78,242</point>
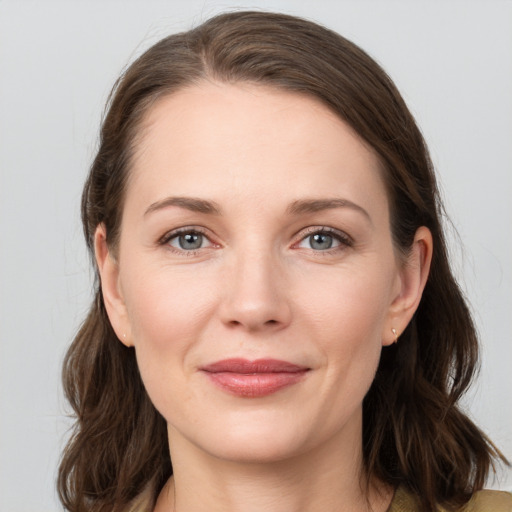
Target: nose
<point>255,296</point>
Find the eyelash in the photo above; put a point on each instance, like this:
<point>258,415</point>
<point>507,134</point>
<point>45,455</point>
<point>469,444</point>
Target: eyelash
<point>343,239</point>
<point>164,240</point>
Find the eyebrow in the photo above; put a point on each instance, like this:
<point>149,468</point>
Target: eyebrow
<point>301,206</point>
<point>316,205</point>
<point>193,204</point>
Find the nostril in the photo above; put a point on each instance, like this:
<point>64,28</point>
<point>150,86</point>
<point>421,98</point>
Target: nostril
<point>237,323</point>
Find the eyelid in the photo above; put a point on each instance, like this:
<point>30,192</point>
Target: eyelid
<point>173,233</point>
<point>179,231</point>
<point>344,239</point>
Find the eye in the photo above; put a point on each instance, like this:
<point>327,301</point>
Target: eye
<point>324,239</point>
<point>189,240</point>
<point>320,241</point>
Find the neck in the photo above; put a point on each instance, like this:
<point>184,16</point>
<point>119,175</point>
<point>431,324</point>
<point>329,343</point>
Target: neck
<point>328,478</point>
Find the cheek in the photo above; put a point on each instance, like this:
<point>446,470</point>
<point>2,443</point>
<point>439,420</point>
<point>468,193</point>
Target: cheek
<point>165,306</point>
<point>347,317</point>
<point>167,311</point>
<point>350,304</point>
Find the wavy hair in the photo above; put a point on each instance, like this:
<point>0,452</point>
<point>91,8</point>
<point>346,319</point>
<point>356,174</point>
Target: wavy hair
<point>414,432</point>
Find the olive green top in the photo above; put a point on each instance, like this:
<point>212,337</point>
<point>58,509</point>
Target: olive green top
<point>482,501</point>
<point>403,501</point>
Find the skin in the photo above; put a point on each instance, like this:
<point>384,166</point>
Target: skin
<point>258,287</point>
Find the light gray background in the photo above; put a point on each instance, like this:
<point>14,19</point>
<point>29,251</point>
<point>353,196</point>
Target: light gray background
<point>451,59</point>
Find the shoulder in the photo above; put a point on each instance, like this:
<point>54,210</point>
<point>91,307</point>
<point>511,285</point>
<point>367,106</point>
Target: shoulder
<point>495,501</point>
<point>482,501</point>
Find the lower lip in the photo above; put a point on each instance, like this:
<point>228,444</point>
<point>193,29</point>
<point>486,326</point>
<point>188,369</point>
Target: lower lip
<point>254,385</point>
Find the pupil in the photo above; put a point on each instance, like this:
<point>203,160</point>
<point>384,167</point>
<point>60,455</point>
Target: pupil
<point>321,241</point>
<point>191,241</point>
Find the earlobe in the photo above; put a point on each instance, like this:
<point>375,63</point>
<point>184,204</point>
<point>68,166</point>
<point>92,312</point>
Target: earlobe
<point>110,287</point>
<point>412,280</point>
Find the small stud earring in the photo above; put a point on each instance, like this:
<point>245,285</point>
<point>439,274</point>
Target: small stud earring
<point>395,334</point>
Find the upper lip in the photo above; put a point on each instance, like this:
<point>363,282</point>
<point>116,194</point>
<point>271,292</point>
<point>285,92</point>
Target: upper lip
<point>244,366</point>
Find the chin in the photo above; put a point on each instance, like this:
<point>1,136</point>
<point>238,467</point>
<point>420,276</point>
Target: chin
<point>266,436</point>
<point>245,436</point>
<point>263,447</point>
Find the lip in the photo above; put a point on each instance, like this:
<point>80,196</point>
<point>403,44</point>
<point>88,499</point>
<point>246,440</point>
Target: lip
<point>253,379</point>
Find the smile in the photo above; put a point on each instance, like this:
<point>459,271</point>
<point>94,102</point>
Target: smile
<point>254,379</point>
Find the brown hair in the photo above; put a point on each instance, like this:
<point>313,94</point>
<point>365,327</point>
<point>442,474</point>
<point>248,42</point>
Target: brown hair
<point>414,432</point>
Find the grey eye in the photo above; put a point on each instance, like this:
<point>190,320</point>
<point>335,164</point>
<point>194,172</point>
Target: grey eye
<point>321,241</point>
<point>188,241</point>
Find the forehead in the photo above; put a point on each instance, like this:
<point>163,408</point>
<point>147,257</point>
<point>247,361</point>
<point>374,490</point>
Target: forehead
<point>258,112</point>
<point>213,136</point>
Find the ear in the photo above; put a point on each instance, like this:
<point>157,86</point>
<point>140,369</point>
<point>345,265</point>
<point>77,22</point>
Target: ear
<point>412,278</point>
<point>110,287</point>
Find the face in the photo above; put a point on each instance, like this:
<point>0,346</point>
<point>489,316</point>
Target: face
<point>255,274</point>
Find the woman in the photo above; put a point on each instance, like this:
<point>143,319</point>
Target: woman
<point>275,312</point>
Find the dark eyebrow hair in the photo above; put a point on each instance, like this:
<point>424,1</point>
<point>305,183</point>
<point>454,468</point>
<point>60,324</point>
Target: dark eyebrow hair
<point>315,205</point>
<point>298,207</point>
<point>190,203</point>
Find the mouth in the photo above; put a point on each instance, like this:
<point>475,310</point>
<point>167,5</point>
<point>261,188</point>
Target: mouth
<point>253,379</point>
